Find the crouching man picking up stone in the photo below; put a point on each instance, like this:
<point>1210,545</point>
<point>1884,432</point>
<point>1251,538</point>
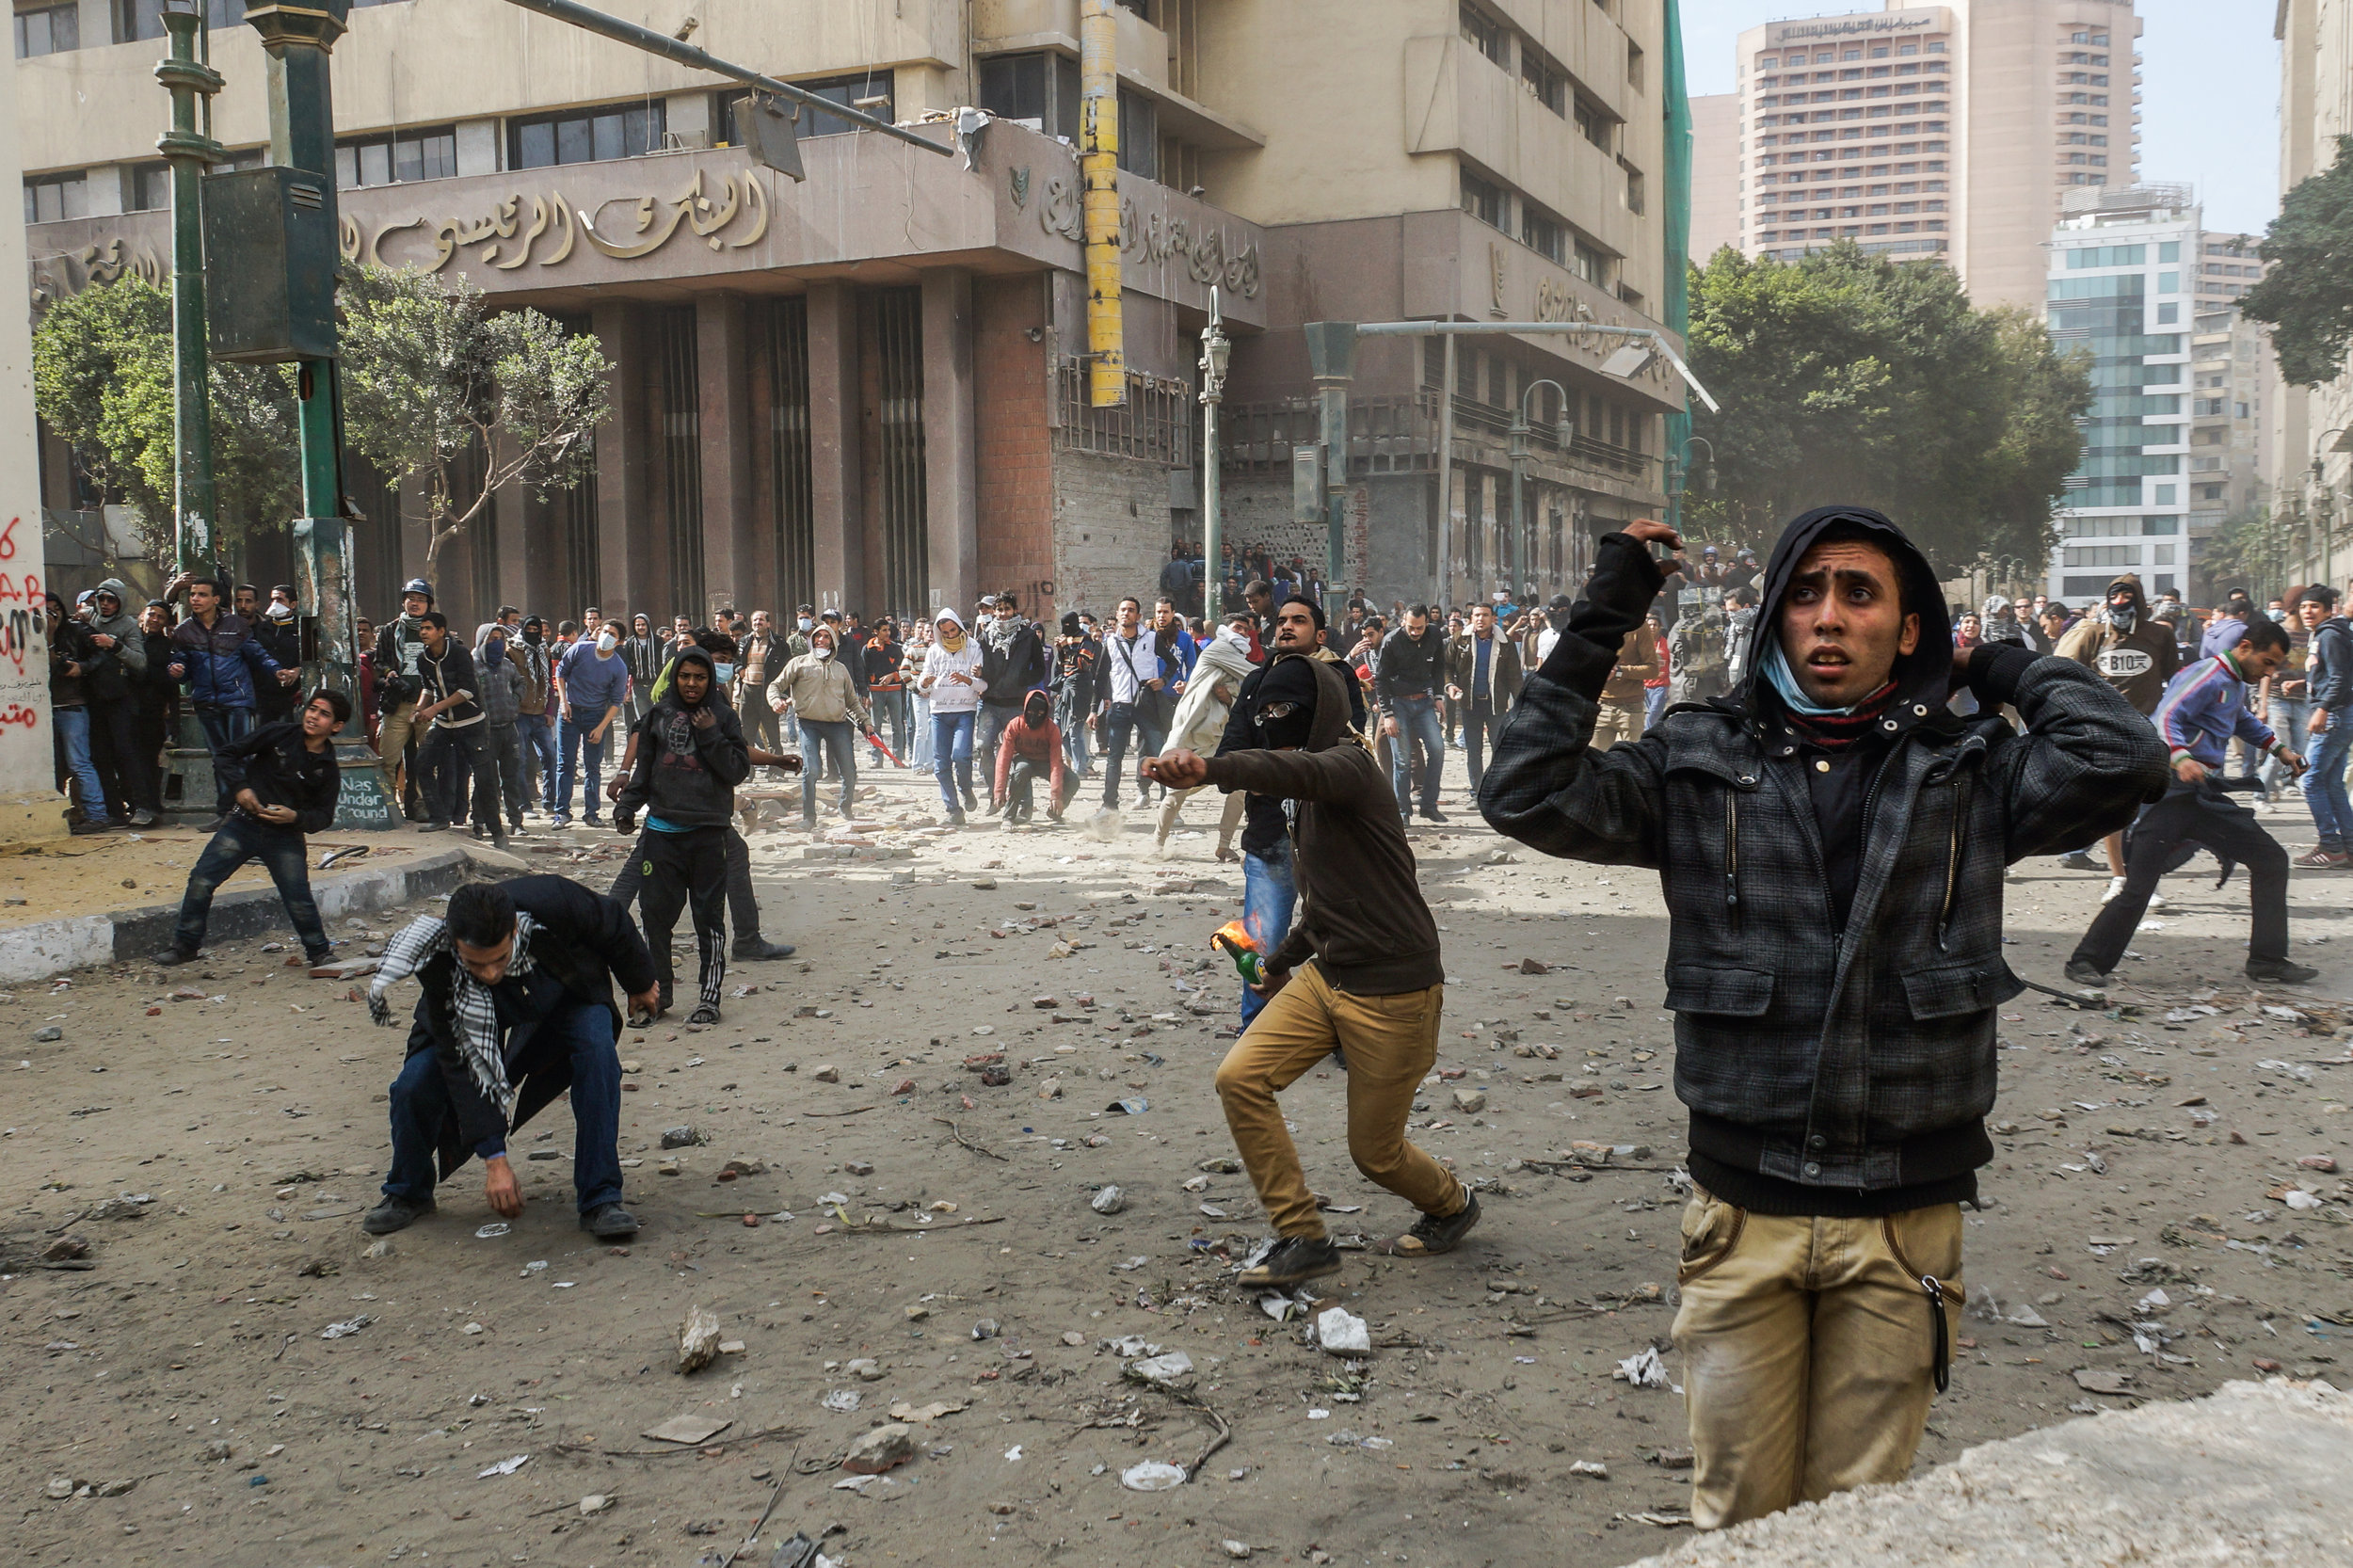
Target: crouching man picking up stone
<point>517,1009</point>
<point>1359,971</point>
<point>1831,840</point>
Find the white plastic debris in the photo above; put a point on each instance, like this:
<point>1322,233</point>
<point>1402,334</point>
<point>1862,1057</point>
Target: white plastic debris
<point>1152,1476</point>
<point>351,1326</point>
<point>1340,1332</point>
<point>1592,1468</point>
<point>1643,1370</point>
<point>505,1467</point>
<point>1161,1369</point>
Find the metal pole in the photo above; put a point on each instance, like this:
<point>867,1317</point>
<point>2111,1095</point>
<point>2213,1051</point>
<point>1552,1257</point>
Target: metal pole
<point>1214,349</point>
<point>1333,394</point>
<point>1519,477</point>
<point>1442,570</point>
<point>687,55</point>
<point>300,41</point>
<point>189,151</point>
<point>1656,339</point>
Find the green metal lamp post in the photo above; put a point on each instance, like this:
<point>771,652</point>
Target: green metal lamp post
<point>191,148</point>
<point>297,196</point>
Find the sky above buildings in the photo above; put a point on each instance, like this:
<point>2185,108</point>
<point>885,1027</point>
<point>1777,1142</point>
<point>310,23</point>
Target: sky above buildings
<point>2211,109</point>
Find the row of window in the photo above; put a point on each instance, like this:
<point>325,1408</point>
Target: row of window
<point>1852,52</point>
<point>2083,258</point>
<point>1883,111</point>
<point>1545,78</point>
<point>55,29</point>
<point>1770,84</point>
<point>1493,378</point>
<point>1540,230</point>
<point>1042,89</point>
<point>2123,528</point>
<point>1855,230</point>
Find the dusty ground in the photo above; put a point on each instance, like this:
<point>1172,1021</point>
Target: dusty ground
<point>129,869</point>
<point>190,1365</point>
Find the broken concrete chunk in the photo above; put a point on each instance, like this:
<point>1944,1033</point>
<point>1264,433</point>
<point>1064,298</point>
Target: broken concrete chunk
<point>885,1448</point>
<point>697,1339</point>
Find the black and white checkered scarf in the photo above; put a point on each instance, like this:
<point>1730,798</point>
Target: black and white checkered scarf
<point>417,944</point>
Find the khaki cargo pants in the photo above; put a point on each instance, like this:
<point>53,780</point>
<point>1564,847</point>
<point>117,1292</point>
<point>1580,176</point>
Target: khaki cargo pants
<point>1391,1042</point>
<point>1808,1346</point>
<point>1615,722</point>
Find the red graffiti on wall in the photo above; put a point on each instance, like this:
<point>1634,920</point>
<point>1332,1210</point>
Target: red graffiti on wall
<point>30,593</point>
<point>16,712</point>
<point>7,539</point>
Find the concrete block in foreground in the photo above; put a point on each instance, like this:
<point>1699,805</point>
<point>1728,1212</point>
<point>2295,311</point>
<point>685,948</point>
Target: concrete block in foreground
<point>2256,1474</point>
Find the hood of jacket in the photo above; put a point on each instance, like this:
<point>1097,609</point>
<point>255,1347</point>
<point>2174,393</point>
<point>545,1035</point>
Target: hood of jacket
<point>2132,581</point>
<point>1334,700</point>
<point>1924,676</point>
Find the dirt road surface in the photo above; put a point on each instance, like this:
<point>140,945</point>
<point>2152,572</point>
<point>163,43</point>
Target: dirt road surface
<point>231,1375</point>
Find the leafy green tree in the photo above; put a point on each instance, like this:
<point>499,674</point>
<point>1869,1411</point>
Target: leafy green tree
<point>103,379</point>
<point>2307,293</point>
<point>462,399</point>
<point>1848,377</point>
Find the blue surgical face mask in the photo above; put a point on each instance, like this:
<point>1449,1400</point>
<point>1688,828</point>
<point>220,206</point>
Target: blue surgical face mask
<point>805,623</point>
<point>724,672</point>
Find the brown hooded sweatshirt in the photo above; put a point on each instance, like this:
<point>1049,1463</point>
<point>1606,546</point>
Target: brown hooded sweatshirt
<point>2137,662</point>
<point>1361,915</point>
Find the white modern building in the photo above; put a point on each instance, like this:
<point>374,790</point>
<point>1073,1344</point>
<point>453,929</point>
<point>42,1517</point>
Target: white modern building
<point>2123,282</point>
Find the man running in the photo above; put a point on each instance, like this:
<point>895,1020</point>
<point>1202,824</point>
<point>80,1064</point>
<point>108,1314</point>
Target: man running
<point>1831,842</point>
<point>2203,708</point>
<point>1360,970</point>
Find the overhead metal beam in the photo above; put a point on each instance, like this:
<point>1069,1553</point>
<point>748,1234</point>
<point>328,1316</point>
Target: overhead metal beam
<point>1564,328</point>
<point>687,55</point>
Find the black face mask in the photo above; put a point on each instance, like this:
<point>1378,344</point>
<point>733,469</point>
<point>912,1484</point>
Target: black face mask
<point>2123,616</point>
<point>531,635</point>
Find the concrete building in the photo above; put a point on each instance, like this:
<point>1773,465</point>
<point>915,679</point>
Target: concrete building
<point>871,388</point>
<point>2119,286</point>
<point>2311,451</point>
<point>1946,132</point>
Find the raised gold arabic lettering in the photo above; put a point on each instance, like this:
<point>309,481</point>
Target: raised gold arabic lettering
<point>737,207</point>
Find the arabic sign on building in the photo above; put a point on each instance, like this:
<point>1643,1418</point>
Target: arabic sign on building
<point>1885,25</point>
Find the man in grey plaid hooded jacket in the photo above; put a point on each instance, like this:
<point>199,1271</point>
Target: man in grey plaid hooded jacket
<point>1831,840</point>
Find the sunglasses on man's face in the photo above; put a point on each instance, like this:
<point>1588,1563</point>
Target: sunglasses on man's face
<point>1273,712</point>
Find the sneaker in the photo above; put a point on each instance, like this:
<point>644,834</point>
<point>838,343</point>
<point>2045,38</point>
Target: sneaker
<point>2116,885</point>
<point>177,956</point>
<point>2081,971</point>
<point>609,1221</point>
<point>593,821</point>
<point>971,801</point>
<point>1433,1234</point>
<point>2076,861</point>
<point>1433,815</point>
<point>432,827</point>
<point>394,1214</point>
<point>2322,859</point>
<point>757,947</point>
<point>705,1015</point>
<point>955,817</point>
<point>143,818</point>
<point>83,829</point>
<point>2280,971</point>
<point>498,838</point>
<point>1294,1260</point>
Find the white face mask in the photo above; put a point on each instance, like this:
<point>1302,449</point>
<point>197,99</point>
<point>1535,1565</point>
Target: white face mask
<point>823,651</point>
<point>804,623</point>
<point>606,641</point>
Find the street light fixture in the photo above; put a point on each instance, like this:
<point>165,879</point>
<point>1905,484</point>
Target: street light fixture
<point>1217,351</point>
<point>1564,430</point>
<point>1679,474</point>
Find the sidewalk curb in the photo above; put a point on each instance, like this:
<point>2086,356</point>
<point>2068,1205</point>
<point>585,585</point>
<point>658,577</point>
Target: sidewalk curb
<point>35,951</point>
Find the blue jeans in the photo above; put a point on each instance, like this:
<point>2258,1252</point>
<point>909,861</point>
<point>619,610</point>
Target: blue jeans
<point>421,1100</point>
<point>918,756</point>
<point>1416,722</point>
<point>222,726</point>
<point>536,742</point>
<point>2324,783</point>
<point>1120,720</point>
<point>1270,895</point>
<point>280,849</point>
<point>1654,704</point>
<point>574,745</point>
<point>952,756</point>
<point>891,713</point>
<point>2287,716</point>
<point>838,739</point>
<point>1074,746</point>
<point>73,734</point>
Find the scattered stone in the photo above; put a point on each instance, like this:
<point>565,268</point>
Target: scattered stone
<point>858,1167</point>
<point>1108,1200</point>
<point>866,1369</point>
<point>1672,1458</point>
<point>1592,1468</point>
<point>2100,1380</point>
<point>118,1486</point>
<point>1468,1100</point>
<point>59,1488</point>
<point>828,1074</point>
<point>1074,1338</point>
<point>1340,1332</point>
<point>1224,1164</point>
<point>697,1339</point>
<point>47,1033</point>
<point>2318,1162</point>
<point>593,1503</point>
<point>1238,1551</point>
<point>1534,966</point>
<point>885,1448</point>
<point>985,1329</point>
<point>66,1248</point>
<point>683,1138</point>
<point>688,1430</point>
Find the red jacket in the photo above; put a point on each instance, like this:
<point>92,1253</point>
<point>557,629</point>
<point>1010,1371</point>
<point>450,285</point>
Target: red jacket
<point>1038,745</point>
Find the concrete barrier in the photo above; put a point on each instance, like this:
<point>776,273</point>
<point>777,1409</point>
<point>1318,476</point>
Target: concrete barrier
<point>2257,1473</point>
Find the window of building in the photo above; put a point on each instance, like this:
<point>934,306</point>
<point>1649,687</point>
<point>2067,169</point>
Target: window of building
<point>151,187</point>
<point>51,30</point>
<point>1542,233</point>
<point>1546,82</point>
<point>1139,136</point>
<point>55,197</point>
<point>587,136</point>
<point>1591,264</point>
<point>1907,49</point>
<point>1634,65</point>
<point>1040,88</point>
<point>1595,123</point>
<point>397,159</point>
<point>2168,315</point>
<point>1634,192</point>
<point>1486,35</point>
<point>867,92</point>
<point>1481,200</point>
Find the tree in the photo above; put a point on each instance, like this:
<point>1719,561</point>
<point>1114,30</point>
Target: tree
<point>103,379</point>
<point>2307,293</point>
<point>464,400</point>
<point>1848,377</point>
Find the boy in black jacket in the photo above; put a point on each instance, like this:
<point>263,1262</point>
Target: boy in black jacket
<point>282,782</point>
<point>690,758</point>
